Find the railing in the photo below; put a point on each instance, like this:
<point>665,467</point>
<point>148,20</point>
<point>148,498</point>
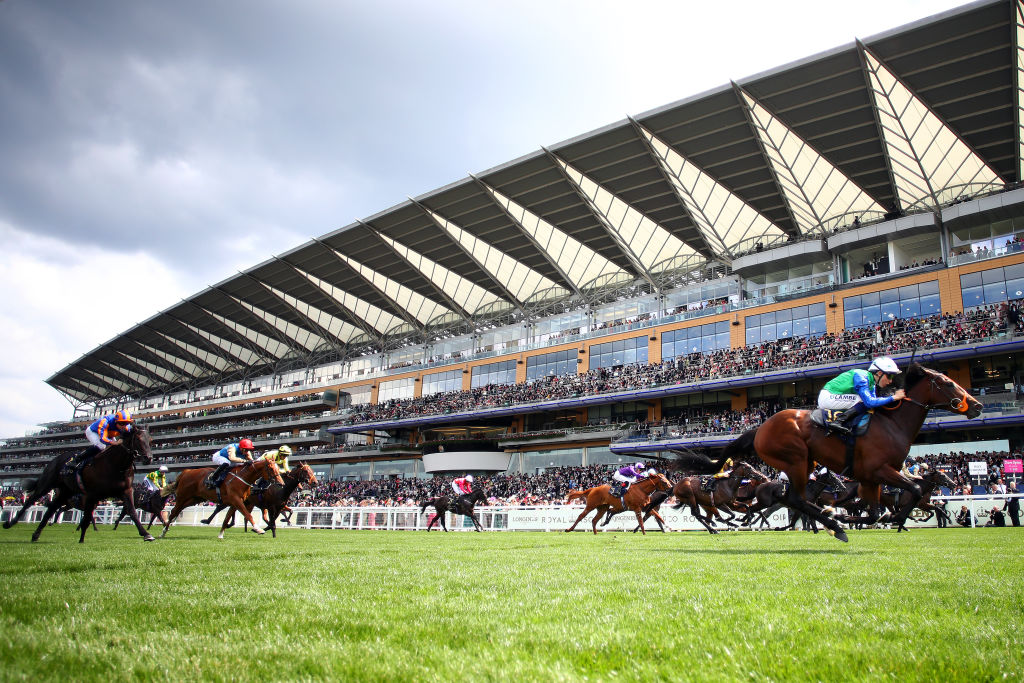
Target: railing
<point>492,518</point>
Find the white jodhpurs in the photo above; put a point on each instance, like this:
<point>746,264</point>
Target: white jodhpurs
<point>94,439</point>
<point>830,401</point>
<point>219,459</point>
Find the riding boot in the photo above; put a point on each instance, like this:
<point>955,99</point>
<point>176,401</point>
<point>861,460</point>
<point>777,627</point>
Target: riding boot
<point>851,416</point>
<point>82,459</point>
<point>218,475</point>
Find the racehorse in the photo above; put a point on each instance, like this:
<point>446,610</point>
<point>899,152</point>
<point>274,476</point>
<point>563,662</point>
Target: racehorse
<point>147,500</point>
<point>463,505</point>
<point>791,442</point>
<point>272,499</point>
<point>637,496</point>
<point>109,474</point>
<point>770,496</point>
<point>76,503</point>
<point>929,483</point>
<point>688,492</point>
<point>190,488</point>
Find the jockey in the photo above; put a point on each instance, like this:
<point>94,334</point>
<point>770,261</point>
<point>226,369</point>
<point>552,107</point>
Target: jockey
<point>463,485</point>
<point>725,471</point>
<point>105,432</point>
<point>280,456</point>
<point>157,479</point>
<point>627,475</point>
<point>226,457</point>
<point>854,392</point>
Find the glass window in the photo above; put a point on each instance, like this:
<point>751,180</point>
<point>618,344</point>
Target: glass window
<point>1015,288</point>
<point>888,296</point>
<point>890,311</point>
<point>870,299</point>
<point>995,292</point>
<point>970,280</point>
<point>818,324</point>
<point>911,308</point>
<point>851,303</point>
<point>992,276</point>
<point>872,315</point>
<point>975,296</point>
<point>930,287</point>
<point>503,372</point>
<point>909,292</point>
<point>816,309</point>
<point>551,364</point>
<point>1010,272</point>
<point>930,305</point>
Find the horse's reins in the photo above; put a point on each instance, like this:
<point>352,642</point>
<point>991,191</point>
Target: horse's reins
<point>956,404</point>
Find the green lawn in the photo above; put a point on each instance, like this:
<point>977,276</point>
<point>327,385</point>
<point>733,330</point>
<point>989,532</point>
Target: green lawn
<point>931,605</point>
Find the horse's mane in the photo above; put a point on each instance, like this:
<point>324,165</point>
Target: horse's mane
<point>915,373</point>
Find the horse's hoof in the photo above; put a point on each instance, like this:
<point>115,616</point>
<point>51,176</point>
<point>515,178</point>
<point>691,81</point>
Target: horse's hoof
<point>148,537</point>
<point>7,524</point>
<point>204,521</point>
<point>35,538</point>
<point>839,535</point>
<point>828,511</point>
<point>259,531</point>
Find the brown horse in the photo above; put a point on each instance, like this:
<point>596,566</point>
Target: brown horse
<point>109,474</point>
<point>688,493</point>
<point>791,442</point>
<point>273,499</point>
<point>189,488</point>
<point>600,498</point>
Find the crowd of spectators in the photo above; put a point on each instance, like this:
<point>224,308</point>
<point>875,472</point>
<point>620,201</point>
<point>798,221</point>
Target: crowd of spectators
<point>895,336</point>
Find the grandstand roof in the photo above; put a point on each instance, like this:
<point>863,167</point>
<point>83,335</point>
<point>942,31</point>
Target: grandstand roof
<point>904,121</point>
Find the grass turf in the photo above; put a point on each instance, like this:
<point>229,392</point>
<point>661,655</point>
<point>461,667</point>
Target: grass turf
<point>398,606</point>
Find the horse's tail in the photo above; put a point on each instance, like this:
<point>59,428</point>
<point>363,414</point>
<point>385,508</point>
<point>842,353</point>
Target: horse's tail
<point>171,487</point>
<point>739,449</point>
<point>29,485</point>
<point>576,493</point>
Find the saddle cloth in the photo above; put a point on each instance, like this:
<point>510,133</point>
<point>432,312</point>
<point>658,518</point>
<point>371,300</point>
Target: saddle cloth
<point>821,416</point>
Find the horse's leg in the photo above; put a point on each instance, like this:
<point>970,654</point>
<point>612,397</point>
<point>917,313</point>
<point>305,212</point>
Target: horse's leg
<point>601,509</point>
<point>695,511</point>
<point>796,501</point>
<point>476,522</point>
<point>213,514</point>
<point>28,503</point>
<point>583,514</point>
<point>239,505</point>
<point>120,517</point>
<point>129,505</point>
<point>54,505</point>
<point>88,505</point>
<point>175,511</point>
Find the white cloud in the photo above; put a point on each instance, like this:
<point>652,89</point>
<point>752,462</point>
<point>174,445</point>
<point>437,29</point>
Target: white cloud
<point>60,301</point>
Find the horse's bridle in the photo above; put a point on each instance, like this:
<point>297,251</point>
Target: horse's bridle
<point>956,404</point>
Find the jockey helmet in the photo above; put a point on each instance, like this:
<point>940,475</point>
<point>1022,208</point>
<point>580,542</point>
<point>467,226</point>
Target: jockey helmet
<point>469,478</point>
<point>246,444</point>
<point>163,468</point>
<point>640,466</point>
<point>285,450</point>
<point>123,416</point>
<point>885,364</point>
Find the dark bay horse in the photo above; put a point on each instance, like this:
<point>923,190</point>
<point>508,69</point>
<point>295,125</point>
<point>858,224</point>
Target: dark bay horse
<point>109,474</point>
<point>637,496</point>
<point>463,505</point>
<point>789,441</point>
<point>273,499</point>
<point>149,501</point>
<point>929,483</point>
<point>722,497</point>
<point>189,488</point>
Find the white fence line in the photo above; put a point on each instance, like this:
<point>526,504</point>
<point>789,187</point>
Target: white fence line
<point>492,518</point>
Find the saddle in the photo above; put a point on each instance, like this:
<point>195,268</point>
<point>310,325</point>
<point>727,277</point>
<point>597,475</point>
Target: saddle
<point>707,484</point>
<point>826,418</point>
<point>618,489</point>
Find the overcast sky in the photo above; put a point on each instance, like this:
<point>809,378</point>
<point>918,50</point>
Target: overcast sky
<point>148,149</point>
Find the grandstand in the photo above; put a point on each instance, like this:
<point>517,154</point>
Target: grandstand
<point>662,281</point>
